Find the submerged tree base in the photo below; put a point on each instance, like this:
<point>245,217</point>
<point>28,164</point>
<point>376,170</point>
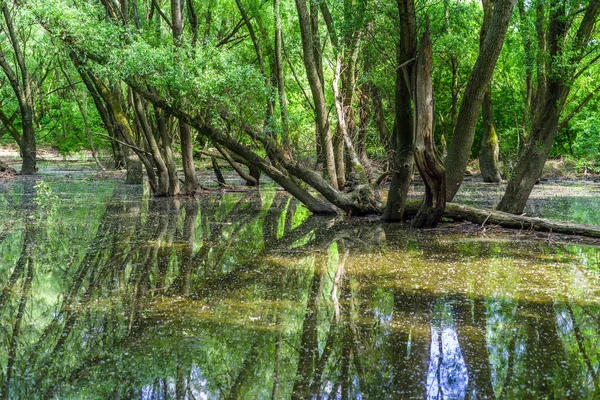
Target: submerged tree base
<point>459,212</point>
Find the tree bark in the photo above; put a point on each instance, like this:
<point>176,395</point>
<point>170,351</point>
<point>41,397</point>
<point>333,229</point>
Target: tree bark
<point>165,139</point>
<point>105,115</point>
<point>158,161</point>
<point>401,162</point>
<point>190,184</point>
<point>426,158</point>
<point>126,131</point>
<point>23,91</point>
<point>280,75</point>
<point>316,87</point>
<point>464,132</point>
<point>217,170</point>
<point>488,155</point>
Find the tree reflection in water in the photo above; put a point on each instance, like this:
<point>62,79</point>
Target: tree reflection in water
<point>246,296</point>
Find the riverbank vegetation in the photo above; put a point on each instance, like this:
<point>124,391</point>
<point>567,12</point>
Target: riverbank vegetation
<point>328,99</point>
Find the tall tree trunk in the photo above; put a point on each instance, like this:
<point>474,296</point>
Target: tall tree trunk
<point>429,165</point>
<point>488,155</point>
<point>481,76</point>
<point>190,184</point>
<point>316,87</point>
<point>401,163</point>
<point>23,91</point>
<point>280,75</point>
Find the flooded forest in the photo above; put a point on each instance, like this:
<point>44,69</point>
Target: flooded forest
<point>299,199</point>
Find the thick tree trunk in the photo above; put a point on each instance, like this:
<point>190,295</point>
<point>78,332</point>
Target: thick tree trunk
<point>401,162</point>
<point>426,158</point>
<point>28,145</point>
<point>135,171</point>
<point>531,161</point>
<point>464,132</point>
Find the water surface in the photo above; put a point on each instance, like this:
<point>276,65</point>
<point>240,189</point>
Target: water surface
<point>109,293</point>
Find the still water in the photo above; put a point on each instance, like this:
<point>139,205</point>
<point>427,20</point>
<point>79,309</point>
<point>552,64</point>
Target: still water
<point>109,293</point>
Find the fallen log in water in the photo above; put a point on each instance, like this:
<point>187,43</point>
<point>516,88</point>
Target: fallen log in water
<point>459,212</point>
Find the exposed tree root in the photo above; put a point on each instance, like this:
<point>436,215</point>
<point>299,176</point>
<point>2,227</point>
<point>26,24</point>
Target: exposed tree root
<point>459,212</point>
<point>7,172</point>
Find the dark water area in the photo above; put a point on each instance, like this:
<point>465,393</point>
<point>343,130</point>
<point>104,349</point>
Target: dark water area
<point>107,292</point>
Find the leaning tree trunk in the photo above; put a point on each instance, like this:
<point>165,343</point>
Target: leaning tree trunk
<point>488,155</point>
<point>316,88</point>
<point>426,158</point>
<point>531,161</point>
<point>464,132</point>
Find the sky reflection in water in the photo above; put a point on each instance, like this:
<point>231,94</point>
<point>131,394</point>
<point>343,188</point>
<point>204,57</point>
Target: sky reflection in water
<point>107,293</point>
